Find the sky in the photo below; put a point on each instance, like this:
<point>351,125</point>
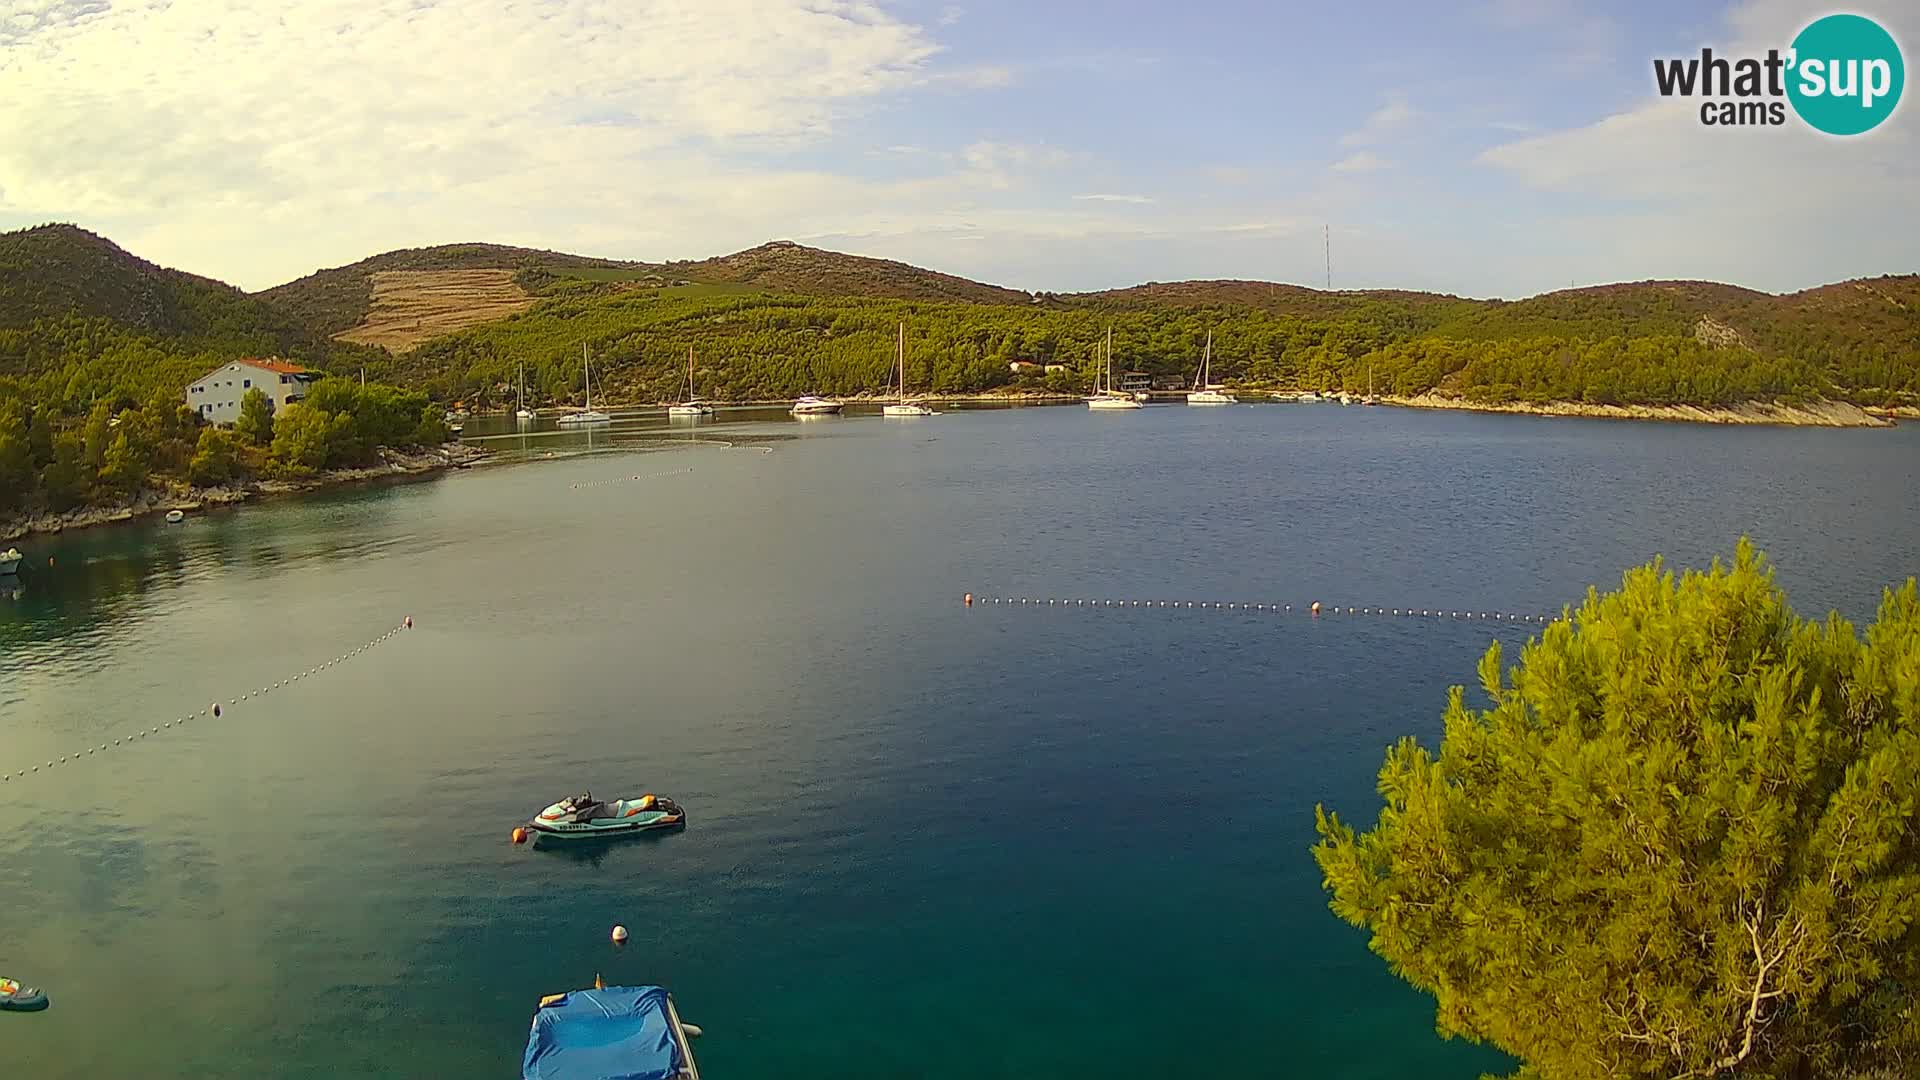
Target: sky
<point>1482,148</point>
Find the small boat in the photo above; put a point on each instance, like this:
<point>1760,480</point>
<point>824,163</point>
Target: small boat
<point>15,997</point>
<point>693,406</point>
<point>579,817</point>
<point>815,406</point>
<point>588,415</point>
<point>10,560</point>
<point>1106,397</point>
<point>522,413</point>
<point>175,517</point>
<point>1307,398</point>
<point>904,407</point>
<point>1204,390</point>
<point>609,1033</point>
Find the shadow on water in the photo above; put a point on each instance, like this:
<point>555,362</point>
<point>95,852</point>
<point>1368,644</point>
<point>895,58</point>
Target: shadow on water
<point>594,850</point>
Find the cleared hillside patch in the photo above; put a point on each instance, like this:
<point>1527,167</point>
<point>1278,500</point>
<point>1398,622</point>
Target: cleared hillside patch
<point>410,306</point>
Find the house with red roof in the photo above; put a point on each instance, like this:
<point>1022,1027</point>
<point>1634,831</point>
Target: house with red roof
<point>216,396</point>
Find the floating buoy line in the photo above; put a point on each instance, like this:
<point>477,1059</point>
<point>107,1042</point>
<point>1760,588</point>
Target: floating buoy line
<point>1313,609</point>
<point>215,710</point>
<point>628,479</point>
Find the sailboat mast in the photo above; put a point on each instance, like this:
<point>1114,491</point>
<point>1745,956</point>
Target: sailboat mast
<point>900,353</point>
<point>1109,358</point>
<point>587,374</point>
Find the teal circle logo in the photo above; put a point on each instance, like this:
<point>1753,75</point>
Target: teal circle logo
<point>1846,74</point>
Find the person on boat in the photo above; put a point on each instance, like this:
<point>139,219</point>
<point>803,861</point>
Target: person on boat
<point>15,997</point>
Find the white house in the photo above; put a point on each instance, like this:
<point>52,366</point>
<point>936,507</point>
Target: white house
<point>216,395</point>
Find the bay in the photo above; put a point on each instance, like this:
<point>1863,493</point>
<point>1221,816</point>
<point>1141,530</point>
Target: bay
<point>925,840</point>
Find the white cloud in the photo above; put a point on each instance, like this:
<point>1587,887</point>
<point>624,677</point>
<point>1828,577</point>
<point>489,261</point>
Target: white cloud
<point>951,14</point>
<point>1364,161</point>
<point>1777,207</point>
<point>403,121</point>
<point>1397,113</point>
<point>1137,199</point>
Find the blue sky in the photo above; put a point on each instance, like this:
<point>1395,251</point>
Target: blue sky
<point>1496,148</point>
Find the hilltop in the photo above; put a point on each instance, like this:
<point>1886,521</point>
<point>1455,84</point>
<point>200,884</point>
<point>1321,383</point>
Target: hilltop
<point>61,271</point>
<point>338,300</point>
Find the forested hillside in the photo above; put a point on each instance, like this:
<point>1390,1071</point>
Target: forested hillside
<point>1631,345</point>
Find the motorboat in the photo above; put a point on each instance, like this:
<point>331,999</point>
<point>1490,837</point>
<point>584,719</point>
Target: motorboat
<point>610,1033</point>
<point>903,407</point>
<point>588,415</point>
<point>16,997</point>
<point>1205,391</point>
<point>10,560</point>
<point>693,406</point>
<point>815,406</point>
<point>175,517</point>
<point>579,817</point>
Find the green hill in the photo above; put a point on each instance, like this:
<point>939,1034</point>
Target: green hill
<point>61,271</point>
<point>336,300</point>
<point>80,319</point>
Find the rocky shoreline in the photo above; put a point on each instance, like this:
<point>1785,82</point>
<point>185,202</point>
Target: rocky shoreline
<point>1810,414</point>
<point>393,464</point>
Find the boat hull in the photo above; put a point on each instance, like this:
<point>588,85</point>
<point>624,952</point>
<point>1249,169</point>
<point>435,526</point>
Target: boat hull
<point>816,408</point>
<point>9,566</point>
<point>906,410</point>
<point>545,831</point>
<point>1103,404</point>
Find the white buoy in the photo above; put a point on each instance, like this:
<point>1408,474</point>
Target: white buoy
<point>619,935</point>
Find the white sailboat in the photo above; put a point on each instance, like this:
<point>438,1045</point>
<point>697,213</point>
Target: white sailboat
<point>904,407</point>
<point>693,406</point>
<point>1204,391</point>
<point>588,415</point>
<point>522,414</point>
<point>1106,397</point>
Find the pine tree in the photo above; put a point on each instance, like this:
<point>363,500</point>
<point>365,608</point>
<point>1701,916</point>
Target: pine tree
<point>1682,841</point>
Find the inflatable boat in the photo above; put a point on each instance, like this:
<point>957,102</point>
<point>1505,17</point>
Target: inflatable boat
<point>581,817</point>
<point>609,1033</point>
<point>17,998</point>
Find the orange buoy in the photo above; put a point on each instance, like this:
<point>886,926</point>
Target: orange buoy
<point>520,835</point>
<point>598,983</point>
<point>408,623</point>
<point>969,599</point>
<point>1316,607</point>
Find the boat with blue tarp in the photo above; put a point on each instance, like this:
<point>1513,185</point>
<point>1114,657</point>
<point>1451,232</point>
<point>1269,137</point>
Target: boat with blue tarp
<point>609,1033</point>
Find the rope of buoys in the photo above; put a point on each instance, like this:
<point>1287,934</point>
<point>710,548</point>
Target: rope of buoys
<point>215,709</point>
<point>1315,608</point>
<point>584,484</point>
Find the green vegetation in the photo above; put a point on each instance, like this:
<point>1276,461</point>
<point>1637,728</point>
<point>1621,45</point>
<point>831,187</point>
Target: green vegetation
<point>114,453</point>
<point>1597,346</point>
<point>1680,843</point>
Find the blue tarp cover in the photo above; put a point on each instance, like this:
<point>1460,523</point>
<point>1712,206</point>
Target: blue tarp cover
<point>620,1033</point>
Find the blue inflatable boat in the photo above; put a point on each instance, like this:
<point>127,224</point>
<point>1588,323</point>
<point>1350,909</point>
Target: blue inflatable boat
<point>611,1033</point>
<point>17,998</point>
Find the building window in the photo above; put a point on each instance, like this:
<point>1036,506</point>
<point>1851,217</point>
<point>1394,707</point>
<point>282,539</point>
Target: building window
<point>246,383</point>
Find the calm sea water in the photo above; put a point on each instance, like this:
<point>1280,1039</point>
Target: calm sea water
<point>924,841</point>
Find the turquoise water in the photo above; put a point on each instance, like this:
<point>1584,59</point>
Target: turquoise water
<point>924,841</point>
